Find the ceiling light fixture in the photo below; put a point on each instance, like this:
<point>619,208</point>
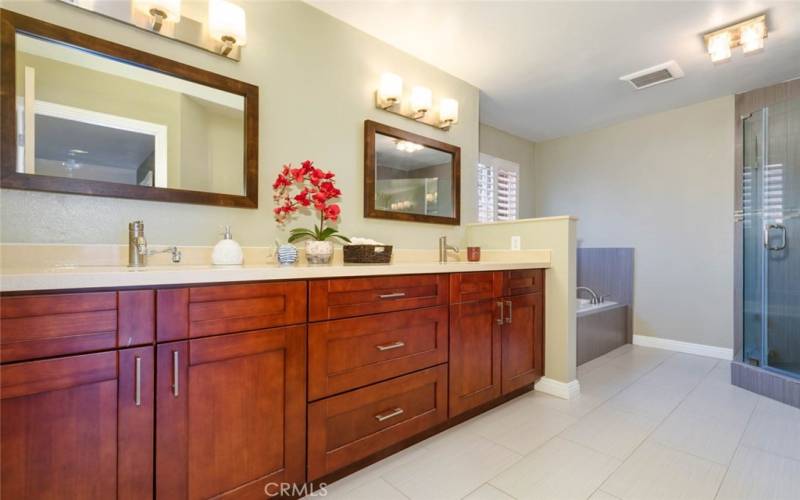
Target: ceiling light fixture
<point>408,146</point>
<point>719,47</point>
<point>748,34</point>
<point>752,37</point>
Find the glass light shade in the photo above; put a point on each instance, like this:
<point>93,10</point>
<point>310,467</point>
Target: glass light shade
<point>227,20</point>
<point>719,46</point>
<point>448,110</point>
<point>391,88</point>
<point>751,37</point>
<point>171,8</point>
<point>421,99</point>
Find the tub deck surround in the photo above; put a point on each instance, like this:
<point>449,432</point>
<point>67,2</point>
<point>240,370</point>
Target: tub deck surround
<point>278,375</point>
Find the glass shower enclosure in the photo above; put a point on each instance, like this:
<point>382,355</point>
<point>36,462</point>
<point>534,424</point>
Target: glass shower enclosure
<point>771,237</point>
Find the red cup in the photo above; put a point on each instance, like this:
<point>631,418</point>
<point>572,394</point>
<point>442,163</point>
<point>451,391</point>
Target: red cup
<point>473,254</point>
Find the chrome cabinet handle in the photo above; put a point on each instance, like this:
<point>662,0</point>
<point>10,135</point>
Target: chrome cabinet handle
<point>175,373</point>
<point>137,397</point>
<point>380,417</point>
<point>500,319</point>
<point>510,312</point>
<point>389,347</point>
<point>395,295</point>
<point>767,228</point>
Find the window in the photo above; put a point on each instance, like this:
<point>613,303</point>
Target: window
<point>498,180</point>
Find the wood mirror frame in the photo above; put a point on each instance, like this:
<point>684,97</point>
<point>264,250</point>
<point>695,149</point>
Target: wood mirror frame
<point>370,129</point>
<point>12,23</point>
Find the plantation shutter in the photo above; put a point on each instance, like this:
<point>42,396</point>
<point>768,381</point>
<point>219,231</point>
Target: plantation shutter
<point>498,187</point>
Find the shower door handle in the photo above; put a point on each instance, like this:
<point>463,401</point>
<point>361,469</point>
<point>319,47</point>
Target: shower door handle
<point>767,229</point>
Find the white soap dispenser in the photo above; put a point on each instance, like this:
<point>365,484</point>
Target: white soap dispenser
<point>227,252</point>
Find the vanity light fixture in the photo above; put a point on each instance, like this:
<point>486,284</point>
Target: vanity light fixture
<point>160,11</point>
<point>227,23</point>
<point>421,102</point>
<point>390,91</point>
<point>448,113</point>
<point>417,105</point>
<point>749,34</point>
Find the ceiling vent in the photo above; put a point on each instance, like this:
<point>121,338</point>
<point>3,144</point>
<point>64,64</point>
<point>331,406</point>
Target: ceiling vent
<point>659,73</point>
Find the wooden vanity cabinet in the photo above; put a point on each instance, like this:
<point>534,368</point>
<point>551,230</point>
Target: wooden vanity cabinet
<point>496,335</point>
<point>203,391</point>
<point>475,357</point>
<point>230,414</point>
<point>522,341</point>
<point>78,426</point>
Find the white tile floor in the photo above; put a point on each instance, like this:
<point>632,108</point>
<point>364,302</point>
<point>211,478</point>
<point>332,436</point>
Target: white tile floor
<point>649,424</point>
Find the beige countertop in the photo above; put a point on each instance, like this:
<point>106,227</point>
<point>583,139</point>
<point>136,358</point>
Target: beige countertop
<point>79,276</point>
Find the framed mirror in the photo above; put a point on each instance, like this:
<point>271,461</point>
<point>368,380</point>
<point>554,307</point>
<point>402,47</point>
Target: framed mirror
<point>410,177</point>
<point>87,116</point>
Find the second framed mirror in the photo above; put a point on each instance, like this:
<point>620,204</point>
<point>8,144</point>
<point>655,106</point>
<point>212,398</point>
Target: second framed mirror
<point>410,177</point>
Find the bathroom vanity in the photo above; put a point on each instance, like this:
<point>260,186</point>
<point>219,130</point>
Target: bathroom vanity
<point>215,389</point>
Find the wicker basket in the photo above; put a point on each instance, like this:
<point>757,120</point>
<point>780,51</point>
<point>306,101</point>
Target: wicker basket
<point>367,254</point>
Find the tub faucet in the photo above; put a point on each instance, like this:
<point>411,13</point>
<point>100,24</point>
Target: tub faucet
<point>595,298</point>
<point>444,248</point>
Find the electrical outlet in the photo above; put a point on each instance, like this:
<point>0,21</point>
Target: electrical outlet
<point>516,243</point>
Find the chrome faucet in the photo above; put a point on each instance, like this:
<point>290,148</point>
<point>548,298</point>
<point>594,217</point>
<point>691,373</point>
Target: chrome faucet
<point>137,247</point>
<point>137,244</point>
<point>444,248</point>
<point>595,298</point>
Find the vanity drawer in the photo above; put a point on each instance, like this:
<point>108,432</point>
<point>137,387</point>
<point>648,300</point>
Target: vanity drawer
<point>346,428</point>
<point>215,310</point>
<point>347,297</point>
<point>349,353</point>
<point>523,281</point>
<point>42,326</point>
<point>469,287</point>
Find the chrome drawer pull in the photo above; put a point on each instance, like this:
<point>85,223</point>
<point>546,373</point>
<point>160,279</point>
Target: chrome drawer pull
<point>175,373</point>
<point>510,311</point>
<point>396,295</point>
<point>500,319</point>
<point>137,398</point>
<point>389,347</point>
<point>386,416</point>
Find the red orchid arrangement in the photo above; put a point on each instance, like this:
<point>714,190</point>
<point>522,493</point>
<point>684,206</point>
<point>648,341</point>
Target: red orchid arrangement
<point>317,190</point>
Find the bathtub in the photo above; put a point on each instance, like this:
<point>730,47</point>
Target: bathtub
<point>601,328</point>
<point>585,307</point>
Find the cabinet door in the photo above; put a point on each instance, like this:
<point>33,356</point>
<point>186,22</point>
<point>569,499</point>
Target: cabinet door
<point>474,354</point>
<point>523,342</point>
<point>230,414</point>
<point>78,427</point>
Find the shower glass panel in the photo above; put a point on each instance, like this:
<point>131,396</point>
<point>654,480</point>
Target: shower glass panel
<point>771,218</point>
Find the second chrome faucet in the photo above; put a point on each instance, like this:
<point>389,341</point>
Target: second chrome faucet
<point>444,248</point>
<point>137,247</point>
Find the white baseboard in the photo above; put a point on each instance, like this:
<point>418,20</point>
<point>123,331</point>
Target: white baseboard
<point>685,347</point>
<point>563,390</point>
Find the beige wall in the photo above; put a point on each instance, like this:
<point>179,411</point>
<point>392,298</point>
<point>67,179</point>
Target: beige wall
<point>317,78</point>
<point>664,185</point>
<point>503,145</point>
